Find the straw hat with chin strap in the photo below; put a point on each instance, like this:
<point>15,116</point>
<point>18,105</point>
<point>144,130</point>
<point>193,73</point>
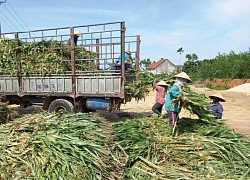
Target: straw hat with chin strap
<point>182,75</point>
<point>162,83</point>
<point>217,96</point>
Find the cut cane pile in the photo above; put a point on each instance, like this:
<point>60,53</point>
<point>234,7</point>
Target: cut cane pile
<point>81,146</point>
<point>60,146</point>
<point>67,146</point>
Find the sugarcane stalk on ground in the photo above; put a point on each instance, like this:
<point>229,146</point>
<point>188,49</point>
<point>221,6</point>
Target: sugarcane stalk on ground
<point>48,145</point>
<point>204,146</point>
<point>58,146</point>
<point>193,154</point>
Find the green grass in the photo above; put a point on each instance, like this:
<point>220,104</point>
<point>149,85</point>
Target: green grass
<point>219,87</point>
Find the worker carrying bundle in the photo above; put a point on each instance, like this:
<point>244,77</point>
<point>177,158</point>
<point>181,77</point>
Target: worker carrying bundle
<point>172,105</point>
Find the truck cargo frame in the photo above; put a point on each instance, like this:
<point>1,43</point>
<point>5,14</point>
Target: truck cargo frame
<point>85,78</point>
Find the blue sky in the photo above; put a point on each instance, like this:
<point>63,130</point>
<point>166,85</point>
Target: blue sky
<point>204,27</point>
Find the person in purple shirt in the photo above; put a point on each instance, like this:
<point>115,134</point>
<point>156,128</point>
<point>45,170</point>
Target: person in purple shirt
<point>215,107</point>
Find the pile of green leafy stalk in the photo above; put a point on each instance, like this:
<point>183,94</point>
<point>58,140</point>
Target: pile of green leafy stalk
<point>57,146</point>
<point>43,57</point>
<point>140,89</point>
<point>201,150</point>
<point>196,104</point>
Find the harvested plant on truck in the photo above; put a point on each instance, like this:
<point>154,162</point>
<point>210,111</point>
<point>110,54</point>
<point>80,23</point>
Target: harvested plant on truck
<point>68,68</point>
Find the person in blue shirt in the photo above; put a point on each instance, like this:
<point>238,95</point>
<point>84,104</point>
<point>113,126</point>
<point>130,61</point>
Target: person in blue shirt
<point>172,105</point>
<point>128,61</point>
<point>215,107</point>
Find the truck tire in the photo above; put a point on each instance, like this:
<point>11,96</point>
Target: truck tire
<point>60,104</point>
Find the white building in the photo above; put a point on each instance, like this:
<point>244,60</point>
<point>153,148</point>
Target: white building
<point>162,66</point>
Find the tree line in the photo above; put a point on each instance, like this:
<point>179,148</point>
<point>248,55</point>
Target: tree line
<point>223,66</point>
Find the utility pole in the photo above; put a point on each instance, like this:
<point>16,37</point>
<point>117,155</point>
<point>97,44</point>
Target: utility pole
<point>1,2</point>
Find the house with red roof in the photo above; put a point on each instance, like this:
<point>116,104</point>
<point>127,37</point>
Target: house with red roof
<point>163,65</point>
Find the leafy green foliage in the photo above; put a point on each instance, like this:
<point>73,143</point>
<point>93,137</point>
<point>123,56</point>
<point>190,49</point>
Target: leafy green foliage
<point>223,66</point>
<point>209,85</point>
<point>202,150</point>
<point>191,57</point>
<point>58,146</point>
<point>180,50</point>
<point>73,146</point>
<point>139,89</point>
<point>145,63</point>
<point>42,57</point>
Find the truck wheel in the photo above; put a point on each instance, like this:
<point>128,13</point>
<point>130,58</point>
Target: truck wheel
<point>60,104</point>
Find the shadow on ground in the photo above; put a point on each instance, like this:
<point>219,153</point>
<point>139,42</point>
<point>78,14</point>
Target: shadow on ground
<point>116,116</point>
<point>28,110</point>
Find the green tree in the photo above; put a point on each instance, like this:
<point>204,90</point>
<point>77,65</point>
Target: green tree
<point>145,63</point>
<point>191,66</point>
<point>180,51</point>
<point>192,57</point>
<point>189,57</point>
<point>224,66</point>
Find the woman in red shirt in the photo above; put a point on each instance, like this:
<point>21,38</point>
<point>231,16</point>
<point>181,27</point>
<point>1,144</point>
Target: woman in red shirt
<point>161,88</point>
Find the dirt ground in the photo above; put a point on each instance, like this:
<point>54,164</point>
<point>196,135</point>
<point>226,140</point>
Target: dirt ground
<point>236,109</point>
<point>228,83</point>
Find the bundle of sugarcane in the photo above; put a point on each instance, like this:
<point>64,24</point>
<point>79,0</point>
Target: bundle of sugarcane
<point>140,89</point>
<point>149,153</point>
<point>44,57</point>
<point>204,148</point>
<point>58,146</point>
<point>147,78</point>
<point>137,90</point>
<point>196,104</point>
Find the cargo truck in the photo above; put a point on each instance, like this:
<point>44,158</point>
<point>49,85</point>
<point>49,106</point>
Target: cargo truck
<point>69,68</point>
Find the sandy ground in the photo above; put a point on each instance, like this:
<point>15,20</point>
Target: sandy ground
<point>236,109</point>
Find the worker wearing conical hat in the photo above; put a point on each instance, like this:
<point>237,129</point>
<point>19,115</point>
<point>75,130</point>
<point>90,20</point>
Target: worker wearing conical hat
<point>175,91</point>
<point>161,88</point>
<point>215,107</point>
<point>76,35</point>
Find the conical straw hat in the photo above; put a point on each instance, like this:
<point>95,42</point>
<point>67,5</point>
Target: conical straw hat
<point>162,83</point>
<point>128,51</point>
<point>78,33</point>
<point>183,75</point>
<point>219,96</point>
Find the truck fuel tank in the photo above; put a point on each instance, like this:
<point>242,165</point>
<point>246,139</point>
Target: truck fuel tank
<point>99,104</point>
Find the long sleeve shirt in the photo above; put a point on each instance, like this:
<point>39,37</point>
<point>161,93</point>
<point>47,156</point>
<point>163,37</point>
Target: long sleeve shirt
<point>217,109</point>
<point>126,56</point>
<point>174,92</point>
<point>118,63</point>
<point>160,94</point>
